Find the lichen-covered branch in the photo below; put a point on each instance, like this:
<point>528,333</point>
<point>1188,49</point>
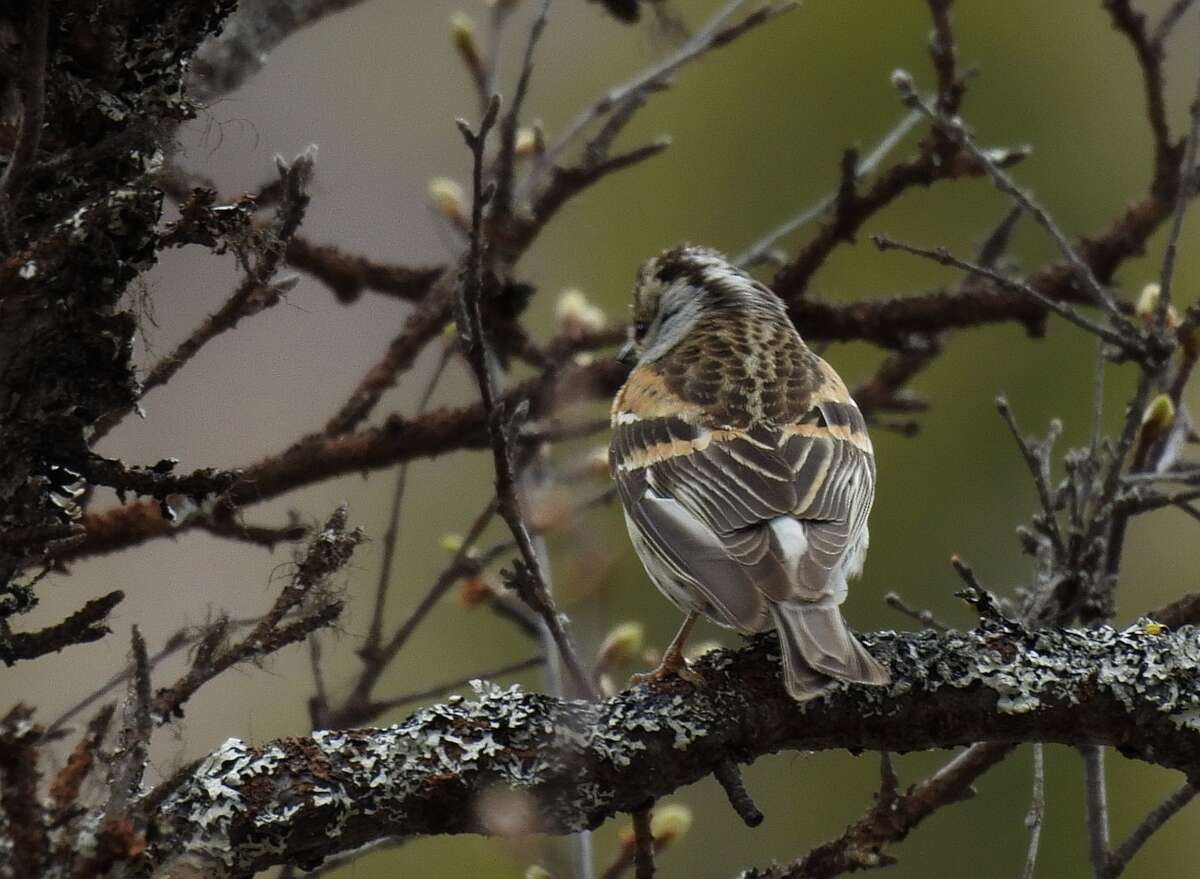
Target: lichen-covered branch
<point>303,799</point>
<point>65,345</point>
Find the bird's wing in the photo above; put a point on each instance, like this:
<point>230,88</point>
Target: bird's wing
<point>768,511</point>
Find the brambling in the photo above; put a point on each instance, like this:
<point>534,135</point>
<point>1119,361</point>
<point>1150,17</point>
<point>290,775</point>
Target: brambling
<point>744,468</point>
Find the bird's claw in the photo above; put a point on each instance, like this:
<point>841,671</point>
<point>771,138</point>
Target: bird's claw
<point>677,666</point>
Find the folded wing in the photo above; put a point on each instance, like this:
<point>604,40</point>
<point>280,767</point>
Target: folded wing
<point>764,525</point>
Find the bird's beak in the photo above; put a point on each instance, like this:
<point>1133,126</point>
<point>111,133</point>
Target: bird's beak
<point>627,354</point>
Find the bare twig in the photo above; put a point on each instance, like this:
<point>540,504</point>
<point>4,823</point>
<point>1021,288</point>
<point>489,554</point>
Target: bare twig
<point>759,251</point>
<point>954,128</point>
<point>421,326</point>
<point>888,820</point>
<point>729,776</point>
<point>1182,197</point>
<point>82,627</point>
<point>1037,811</point>
<point>356,708</point>
<point>126,777</point>
<point>229,527</point>
<point>565,184</point>
<point>391,536</point>
<point>1096,801</point>
<point>1120,857</point>
<point>1037,459</point>
<point>33,99</point>
<point>1149,52</point>
<point>944,53</point>
<point>181,640</point>
<point>317,457</point>
<point>347,275</point>
<point>304,605</point>
<point>256,291</point>
<point>943,257</point>
<point>1167,23</point>
<point>924,616</point>
<point>889,781</point>
<point>478,355</point>
<point>506,159</point>
<point>713,35</point>
<point>643,845</point>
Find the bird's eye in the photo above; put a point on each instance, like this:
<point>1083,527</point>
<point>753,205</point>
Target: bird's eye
<point>639,328</point>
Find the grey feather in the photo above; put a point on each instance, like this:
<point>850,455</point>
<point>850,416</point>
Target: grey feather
<point>757,531</point>
<point>817,649</point>
<point>698,563</point>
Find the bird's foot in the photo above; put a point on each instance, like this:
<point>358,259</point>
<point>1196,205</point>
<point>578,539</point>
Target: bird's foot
<point>671,665</point>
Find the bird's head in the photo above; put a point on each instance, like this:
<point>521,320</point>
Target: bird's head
<point>681,286</point>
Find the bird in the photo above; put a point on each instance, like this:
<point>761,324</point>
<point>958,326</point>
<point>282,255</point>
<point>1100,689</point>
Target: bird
<point>744,468</point>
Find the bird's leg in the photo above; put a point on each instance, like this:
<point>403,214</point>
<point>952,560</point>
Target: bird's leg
<point>673,662</point>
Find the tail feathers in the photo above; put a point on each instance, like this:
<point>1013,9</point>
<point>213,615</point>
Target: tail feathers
<point>818,649</point>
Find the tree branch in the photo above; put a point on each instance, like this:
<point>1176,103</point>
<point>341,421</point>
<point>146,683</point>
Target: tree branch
<point>301,800</point>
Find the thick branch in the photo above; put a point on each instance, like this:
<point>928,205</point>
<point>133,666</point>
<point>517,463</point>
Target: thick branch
<point>301,800</point>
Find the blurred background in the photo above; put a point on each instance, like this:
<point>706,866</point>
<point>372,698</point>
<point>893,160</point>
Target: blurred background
<point>758,129</point>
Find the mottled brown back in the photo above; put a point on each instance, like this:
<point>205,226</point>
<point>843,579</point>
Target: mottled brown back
<point>745,367</point>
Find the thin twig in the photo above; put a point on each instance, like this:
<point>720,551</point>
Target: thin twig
<point>1162,813</point>
<point>943,257</point>
<point>954,128</point>
<point>1037,459</point>
<point>967,574</point>
<point>33,99</point>
<point>643,847</point>
<point>1182,196</point>
<point>889,781</point>
<point>182,639</point>
<point>305,604</point>
<point>420,327</point>
<point>376,662</point>
<point>1037,810</point>
<point>944,53</point>
<point>1116,527</point>
<point>729,776</point>
<point>709,37</point>
<point>134,744</point>
<point>349,274</point>
<point>476,347</point>
<point>255,293</point>
<point>1096,801</point>
<point>757,252</point>
<point>1167,23</point>
<point>85,625</point>
<point>496,21</point>
<point>390,538</point>
<point>925,617</point>
<point>506,159</point>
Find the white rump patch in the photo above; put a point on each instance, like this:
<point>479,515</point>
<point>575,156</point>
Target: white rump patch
<point>789,535</point>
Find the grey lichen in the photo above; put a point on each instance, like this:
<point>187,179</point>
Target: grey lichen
<point>301,800</point>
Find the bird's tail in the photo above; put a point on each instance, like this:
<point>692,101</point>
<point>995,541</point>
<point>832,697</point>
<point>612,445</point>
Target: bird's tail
<point>818,649</point>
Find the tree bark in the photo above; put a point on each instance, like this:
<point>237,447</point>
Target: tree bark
<point>569,765</point>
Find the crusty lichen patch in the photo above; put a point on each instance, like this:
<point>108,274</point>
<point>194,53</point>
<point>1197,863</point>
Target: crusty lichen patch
<point>302,799</point>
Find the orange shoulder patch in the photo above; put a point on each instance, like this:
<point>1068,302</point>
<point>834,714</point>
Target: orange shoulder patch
<point>645,395</point>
